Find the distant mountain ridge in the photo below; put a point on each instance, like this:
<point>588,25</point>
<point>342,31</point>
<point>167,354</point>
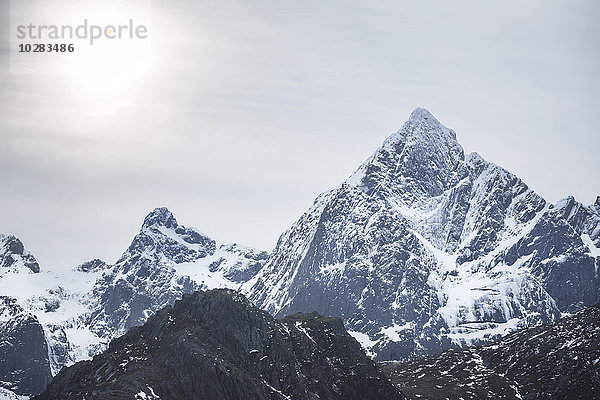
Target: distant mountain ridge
<point>422,249</point>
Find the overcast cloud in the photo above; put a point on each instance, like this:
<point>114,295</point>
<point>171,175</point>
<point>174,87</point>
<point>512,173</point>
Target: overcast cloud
<point>248,110</point>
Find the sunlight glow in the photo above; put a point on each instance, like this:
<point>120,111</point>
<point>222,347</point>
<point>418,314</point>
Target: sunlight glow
<point>107,75</point>
<point>100,77</point>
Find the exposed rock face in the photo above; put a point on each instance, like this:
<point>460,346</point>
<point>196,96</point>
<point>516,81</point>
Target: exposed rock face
<point>217,345</point>
<point>424,249</point>
<point>558,361</point>
<point>24,368</point>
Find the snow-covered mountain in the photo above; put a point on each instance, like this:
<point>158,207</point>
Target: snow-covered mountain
<point>61,318</point>
<point>424,249</point>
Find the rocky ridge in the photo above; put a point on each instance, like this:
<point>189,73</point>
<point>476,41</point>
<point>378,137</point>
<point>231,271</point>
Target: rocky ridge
<point>556,361</point>
<point>217,345</point>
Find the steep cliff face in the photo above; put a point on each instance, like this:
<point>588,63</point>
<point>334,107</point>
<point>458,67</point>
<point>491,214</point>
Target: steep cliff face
<point>24,365</point>
<point>424,248</point>
<point>24,368</point>
<point>557,361</point>
<point>217,345</point>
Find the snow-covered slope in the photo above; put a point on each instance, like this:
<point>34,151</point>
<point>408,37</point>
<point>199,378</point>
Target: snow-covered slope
<point>424,248</point>
<point>78,312</point>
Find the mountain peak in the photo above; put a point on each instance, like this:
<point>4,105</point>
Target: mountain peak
<point>160,216</point>
<point>422,116</point>
<point>420,160</point>
<point>421,113</point>
<point>423,127</point>
<point>161,235</point>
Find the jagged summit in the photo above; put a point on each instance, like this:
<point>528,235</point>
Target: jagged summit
<point>423,125</point>
<point>165,260</point>
<point>421,116</point>
<point>160,216</point>
<point>585,220</point>
<point>418,162</point>
<point>161,235</point>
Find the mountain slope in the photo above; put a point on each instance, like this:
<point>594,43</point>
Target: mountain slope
<point>217,345</point>
<point>424,249</point>
<point>24,368</point>
<point>558,361</point>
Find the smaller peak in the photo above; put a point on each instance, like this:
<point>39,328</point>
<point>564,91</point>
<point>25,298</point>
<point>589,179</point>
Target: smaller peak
<point>12,244</point>
<point>568,201</point>
<point>160,216</point>
<point>474,157</point>
<point>597,202</point>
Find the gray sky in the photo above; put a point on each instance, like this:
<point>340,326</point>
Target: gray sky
<point>242,112</point>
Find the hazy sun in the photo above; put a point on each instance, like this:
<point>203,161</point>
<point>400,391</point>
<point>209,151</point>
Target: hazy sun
<point>99,77</point>
<point>108,74</point>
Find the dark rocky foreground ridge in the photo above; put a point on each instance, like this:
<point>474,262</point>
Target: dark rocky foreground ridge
<point>557,361</point>
<point>217,345</point>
